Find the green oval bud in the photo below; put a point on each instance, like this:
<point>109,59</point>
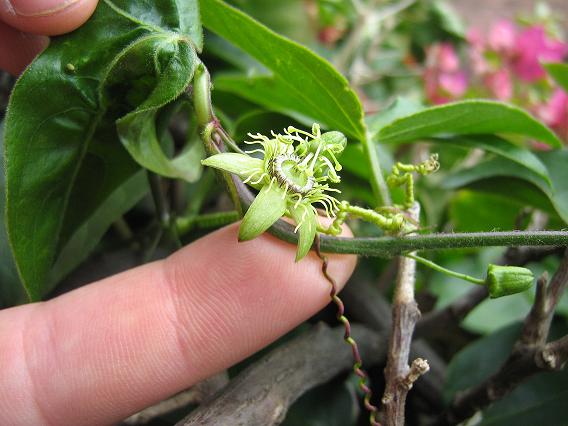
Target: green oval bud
<point>335,140</point>
<point>507,280</point>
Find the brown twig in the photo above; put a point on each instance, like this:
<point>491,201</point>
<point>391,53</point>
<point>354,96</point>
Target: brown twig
<point>529,355</point>
<point>197,394</point>
<point>262,394</point>
<point>399,376</point>
<point>358,362</point>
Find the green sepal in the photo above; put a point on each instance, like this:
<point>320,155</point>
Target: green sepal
<point>239,164</point>
<point>268,206</point>
<point>507,280</point>
<point>307,231</point>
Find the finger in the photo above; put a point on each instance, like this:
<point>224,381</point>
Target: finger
<point>46,17</point>
<point>17,49</point>
<point>102,352</point>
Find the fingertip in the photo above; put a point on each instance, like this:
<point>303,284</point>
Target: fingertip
<point>46,17</point>
<point>18,49</point>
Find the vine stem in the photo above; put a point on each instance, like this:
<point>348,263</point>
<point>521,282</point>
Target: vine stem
<point>357,366</point>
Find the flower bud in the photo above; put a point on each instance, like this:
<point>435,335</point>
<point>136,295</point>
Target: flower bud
<point>507,280</point>
<point>335,140</point>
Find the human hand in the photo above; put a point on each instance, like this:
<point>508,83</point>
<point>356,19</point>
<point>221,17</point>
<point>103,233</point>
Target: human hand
<point>100,353</point>
<point>24,25</point>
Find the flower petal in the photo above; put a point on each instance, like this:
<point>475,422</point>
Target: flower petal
<point>240,164</point>
<point>307,230</point>
<point>268,206</point>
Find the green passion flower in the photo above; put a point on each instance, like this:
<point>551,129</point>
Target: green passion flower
<point>292,176</point>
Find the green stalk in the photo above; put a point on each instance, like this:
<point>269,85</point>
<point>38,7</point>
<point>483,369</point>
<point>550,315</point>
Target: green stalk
<point>445,271</point>
<point>378,183</point>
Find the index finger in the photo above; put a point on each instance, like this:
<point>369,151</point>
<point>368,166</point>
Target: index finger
<point>102,352</point>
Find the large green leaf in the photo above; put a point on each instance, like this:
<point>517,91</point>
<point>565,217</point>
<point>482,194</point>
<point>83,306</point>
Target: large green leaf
<point>305,83</point>
<point>559,72</point>
<point>501,147</point>
<point>63,157</point>
<point>554,161</point>
<point>269,92</point>
<point>467,118</point>
<point>11,291</point>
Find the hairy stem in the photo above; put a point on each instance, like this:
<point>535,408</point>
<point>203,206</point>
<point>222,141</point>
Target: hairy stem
<point>206,221</point>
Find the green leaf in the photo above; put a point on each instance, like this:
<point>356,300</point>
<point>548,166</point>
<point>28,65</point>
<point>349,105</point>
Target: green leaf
<point>232,162</point>
<point>268,206</point>
<point>86,237</point>
<point>449,18</point>
<point>467,118</point>
<point>479,360</point>
<point>268,92</point>
<point>554,161</point>
<point>306,83</point>
<point>559,72</point>
<point>401,107</point>
<point>11,290</point>
<point>539,400</point>
<point>501,147</point>
<point>174,63</point>
<point>260,121</point>
<point>308,220</point>
<point>492,212</point>
<point>64,160</point>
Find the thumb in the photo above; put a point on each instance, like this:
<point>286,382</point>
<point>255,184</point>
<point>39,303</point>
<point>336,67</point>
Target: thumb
<point>46,17</point>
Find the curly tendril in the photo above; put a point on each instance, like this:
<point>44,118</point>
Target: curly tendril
<point>358,364</point>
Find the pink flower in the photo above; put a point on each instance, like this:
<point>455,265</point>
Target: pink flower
<point>453,84</point>
<point>534,47</point>
<point>502,37</point>
<point>500,84</point>
<point>443,78</point>
<point>555,113</point>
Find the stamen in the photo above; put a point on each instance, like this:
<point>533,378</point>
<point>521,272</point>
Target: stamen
<point>262,176</point>
<point>250,177</point>
<point>316,156</point>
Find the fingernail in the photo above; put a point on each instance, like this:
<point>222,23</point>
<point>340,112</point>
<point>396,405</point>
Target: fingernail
<point>31,8</point>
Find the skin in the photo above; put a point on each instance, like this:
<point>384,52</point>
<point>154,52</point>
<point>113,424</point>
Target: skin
<point>102,352</point>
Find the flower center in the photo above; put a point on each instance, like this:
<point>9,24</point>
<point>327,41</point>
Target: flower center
<point>287,171</point>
